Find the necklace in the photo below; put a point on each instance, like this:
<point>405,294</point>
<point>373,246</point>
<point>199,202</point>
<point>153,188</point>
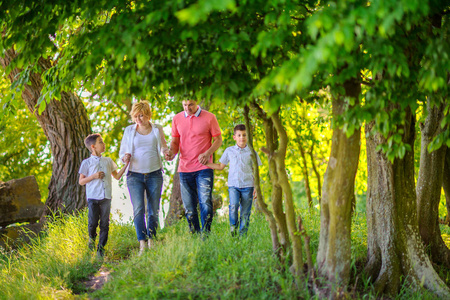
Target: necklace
<point>144,130</point>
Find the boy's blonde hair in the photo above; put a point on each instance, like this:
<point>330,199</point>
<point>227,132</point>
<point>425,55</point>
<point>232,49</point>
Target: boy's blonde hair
<point>141,107</point>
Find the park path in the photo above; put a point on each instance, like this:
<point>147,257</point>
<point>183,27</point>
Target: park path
<point>96,281</point>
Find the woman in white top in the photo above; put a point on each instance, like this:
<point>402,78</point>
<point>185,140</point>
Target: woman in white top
<point>142,144</point>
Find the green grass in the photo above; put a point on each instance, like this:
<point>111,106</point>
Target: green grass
<point>180,266</point>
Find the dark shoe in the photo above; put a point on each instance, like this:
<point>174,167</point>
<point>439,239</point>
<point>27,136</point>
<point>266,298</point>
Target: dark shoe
<point>100,252</point>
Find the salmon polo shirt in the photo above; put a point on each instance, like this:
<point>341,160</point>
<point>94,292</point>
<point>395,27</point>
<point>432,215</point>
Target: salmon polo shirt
<point>195,133</point>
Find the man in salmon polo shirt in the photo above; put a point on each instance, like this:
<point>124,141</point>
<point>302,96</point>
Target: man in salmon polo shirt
<point>196,135</point>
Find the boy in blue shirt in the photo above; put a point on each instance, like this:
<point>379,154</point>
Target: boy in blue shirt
<point>240,179</point>
<point>95,172</point>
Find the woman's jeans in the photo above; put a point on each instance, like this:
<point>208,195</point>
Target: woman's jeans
<point>196,187</point>
<point>240,198</point>
<point>151,184</point>
<point>99,210</point>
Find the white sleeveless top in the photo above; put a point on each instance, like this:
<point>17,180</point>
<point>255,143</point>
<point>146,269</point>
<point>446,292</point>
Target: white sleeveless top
<point>145,158</point>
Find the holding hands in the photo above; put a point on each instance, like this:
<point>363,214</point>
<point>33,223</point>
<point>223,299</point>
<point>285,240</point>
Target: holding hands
<point>169,155</point>
<point>126,158</point>
<point>203,158</point>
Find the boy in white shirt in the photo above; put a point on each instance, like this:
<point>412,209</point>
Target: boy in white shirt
<point>240,179</point>
<point>95,172</point>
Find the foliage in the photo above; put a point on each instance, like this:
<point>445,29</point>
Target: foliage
<point>24,148</point>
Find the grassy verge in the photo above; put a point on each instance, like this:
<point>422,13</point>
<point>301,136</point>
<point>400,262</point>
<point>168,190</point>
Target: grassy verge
<point>184,266</point>
<point>180,266</point>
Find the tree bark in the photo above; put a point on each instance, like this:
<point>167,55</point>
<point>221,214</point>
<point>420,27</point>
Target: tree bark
<point>65,124</point>
<point>283,180</point>
<point>259,197</point>
<point>305,175</point>
<point>446,183</point>
<point>276,194</point>
<point>429,184</point>
<point>395,249</point>
<point>176,208</point>
<point>334,254</point>
<point>319,184</point>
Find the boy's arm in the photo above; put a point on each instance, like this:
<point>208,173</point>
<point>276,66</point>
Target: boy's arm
<point>118,175</point>
<point>86,179</point>
<point>219,166</point>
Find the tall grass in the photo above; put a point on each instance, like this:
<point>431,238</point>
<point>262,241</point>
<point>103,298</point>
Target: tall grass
<point>54,263</point>
<point>180,266</point>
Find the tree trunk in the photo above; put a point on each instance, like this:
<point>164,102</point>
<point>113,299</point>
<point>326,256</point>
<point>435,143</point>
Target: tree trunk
<point>276,194</point>
<point>429,185</point>
<point>334,254</point>
<point>446,183</point>
<point>259,197</point>
<point>65,124</point>
<point>176,208</point>
<point>305,175</point>
<point>395,249</point>
<point>319,185</point>
<point>283,180</point>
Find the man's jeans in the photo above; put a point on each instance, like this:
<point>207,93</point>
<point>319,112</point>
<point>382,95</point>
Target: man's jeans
<point>151,184</point>
<point>196,187</point>
<point>240,198</point>
<point>99,210</point>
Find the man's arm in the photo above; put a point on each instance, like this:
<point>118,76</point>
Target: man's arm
<point>204,157</point>
<point>174,147</point>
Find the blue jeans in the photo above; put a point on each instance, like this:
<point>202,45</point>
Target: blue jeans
<point>99,210</point>
<point>196,187</point>
<point>151,184</point>
<point>240,198</point>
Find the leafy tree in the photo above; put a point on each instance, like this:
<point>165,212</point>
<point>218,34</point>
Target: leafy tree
<point>25,150</point>
<point>65,125</point>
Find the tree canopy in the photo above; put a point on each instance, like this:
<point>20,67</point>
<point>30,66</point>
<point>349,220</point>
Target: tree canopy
<point>299,65</point>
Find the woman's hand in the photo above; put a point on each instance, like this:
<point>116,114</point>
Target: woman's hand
<point>168,155</point>
<point>126,158</point>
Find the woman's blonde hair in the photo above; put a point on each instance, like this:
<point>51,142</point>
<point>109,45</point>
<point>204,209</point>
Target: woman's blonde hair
<point>141,107</point>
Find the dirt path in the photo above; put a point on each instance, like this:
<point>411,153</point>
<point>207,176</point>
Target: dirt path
<point>97,280</point>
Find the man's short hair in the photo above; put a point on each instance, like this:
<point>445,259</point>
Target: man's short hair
<point>91,139</point>
<point>240,127</point>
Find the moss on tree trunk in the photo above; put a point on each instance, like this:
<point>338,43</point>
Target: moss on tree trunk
<point>395,249</point>
<point>429,184</point>
<point>65,124</point>
<point>334,254</point>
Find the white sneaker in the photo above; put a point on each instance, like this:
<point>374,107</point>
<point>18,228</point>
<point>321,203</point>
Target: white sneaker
<point>142,246</point>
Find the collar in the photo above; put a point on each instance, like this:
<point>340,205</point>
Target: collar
<point>95,156</point>
<point>239,148</point>
<point>197,113</point>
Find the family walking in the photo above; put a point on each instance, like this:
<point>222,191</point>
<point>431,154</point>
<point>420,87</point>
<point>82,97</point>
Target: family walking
<point>196,135</point>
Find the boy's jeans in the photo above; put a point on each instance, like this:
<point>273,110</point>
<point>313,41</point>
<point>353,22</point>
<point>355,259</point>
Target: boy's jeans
<point>151,183</point>
<point>243,198</point>
<point>99,210</point>
<point>196,187</point>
